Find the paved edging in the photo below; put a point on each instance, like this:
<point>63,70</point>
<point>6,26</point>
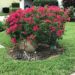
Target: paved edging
<point>1,46</point>
<point>2,18</point>
<point>73,74</point>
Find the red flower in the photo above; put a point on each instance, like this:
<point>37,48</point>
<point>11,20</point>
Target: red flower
<point>29,20</point>
<point>8,31</point>
<point>51,14</point>
<point>59,24</point>
<point>55,20</point>
<point>52,28</point>
<point>54,8</point>
<point>35,28</point>
<point>13,40</point>
<point>19,26</point>
<point>29,10</point>
<point>37,16</point>
<point>14,27</point>
<point>59,33</point>
<point>41,9</point>
<point>47,21</point>
<point>24,32</point>
<point>58,17</point>
<point>68,19</point>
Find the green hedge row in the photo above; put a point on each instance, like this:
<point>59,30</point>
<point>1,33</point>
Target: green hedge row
<point>44,2</point>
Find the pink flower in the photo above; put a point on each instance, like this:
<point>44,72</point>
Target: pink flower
<point>55,20</point>
<point>50,14</point>
<point>13,40</point>
<point>19,27</point>
<point>37,16</point>
<point>59,24</point>
<point>8,31</point>
<point>54,8</point>
<point>24,32</point>
<point>52,28</point>
<point>29,20</point>
<point>14,27</point>
<point>58,17</point>
<point>35,28</point>
<point>68,19</point>
<point>47,21</point>
<point>29,10</point>
<point>41,9</point>
<point>59,33</point>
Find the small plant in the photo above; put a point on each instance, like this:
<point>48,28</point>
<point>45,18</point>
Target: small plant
<point>39,24</point>
<point>1,26</point>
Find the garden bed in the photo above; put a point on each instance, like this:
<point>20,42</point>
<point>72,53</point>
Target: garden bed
<point>42,52</point>
<point>36,25</point>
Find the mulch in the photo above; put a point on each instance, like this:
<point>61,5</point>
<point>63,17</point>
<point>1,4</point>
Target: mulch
<point>41,53</point>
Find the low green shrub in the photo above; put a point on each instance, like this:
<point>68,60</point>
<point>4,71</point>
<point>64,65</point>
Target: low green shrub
<point>45,2</point>
<point>1,26</point>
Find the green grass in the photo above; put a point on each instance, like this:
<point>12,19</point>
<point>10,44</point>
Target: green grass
<point>3,14</point>
<point>5,39</point>
<point>63,64</point>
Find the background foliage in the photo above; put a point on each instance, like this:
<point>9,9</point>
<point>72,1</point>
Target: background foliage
<point>44,2</point>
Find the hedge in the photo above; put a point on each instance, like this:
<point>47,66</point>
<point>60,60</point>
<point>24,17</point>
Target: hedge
<point>44,2</point>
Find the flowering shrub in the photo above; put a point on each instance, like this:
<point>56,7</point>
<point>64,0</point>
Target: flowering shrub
<point>43,24</point>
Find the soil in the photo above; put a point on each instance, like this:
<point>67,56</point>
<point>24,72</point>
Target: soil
<point>42,52</point>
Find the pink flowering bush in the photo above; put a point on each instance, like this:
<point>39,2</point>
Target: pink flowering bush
<point>43,24</point>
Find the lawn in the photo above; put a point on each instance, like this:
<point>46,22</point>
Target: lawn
<point>3,14</point>
<point>63,64</point>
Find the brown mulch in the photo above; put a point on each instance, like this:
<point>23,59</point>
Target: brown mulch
<point>41,53</point>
